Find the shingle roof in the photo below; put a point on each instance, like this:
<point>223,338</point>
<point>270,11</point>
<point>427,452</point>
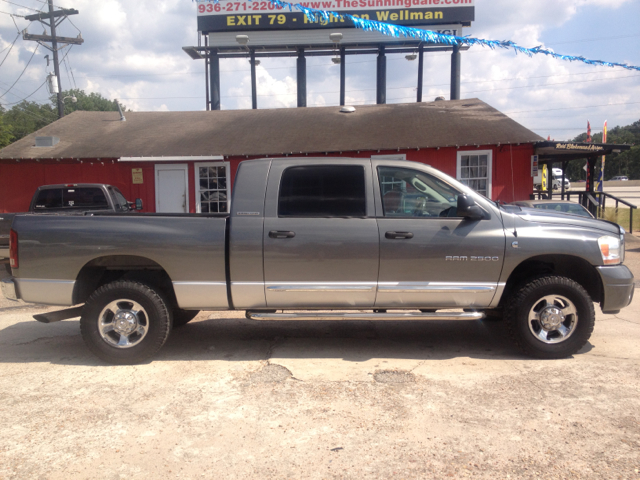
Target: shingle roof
<point>274,131</point>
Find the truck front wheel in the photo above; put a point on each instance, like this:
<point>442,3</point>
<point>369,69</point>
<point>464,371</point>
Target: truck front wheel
<point>125,322</point>
<point>550,317</point>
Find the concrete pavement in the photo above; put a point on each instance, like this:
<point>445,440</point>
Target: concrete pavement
<point>233,398</point>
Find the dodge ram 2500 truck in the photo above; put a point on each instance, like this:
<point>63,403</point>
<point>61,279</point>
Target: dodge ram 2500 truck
<point>363,239</point>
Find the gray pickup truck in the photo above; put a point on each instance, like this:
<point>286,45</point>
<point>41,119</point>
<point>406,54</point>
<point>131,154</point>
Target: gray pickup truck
<point>68,199</point>
<point>317,239</point>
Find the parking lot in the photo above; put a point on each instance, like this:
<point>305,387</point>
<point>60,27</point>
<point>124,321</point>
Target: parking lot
<point>229,397</point>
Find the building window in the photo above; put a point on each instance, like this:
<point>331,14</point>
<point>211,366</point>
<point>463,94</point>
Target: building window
<point>213,194</point>
<point>474,170</point>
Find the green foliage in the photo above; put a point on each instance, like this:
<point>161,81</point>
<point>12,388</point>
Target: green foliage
<point>624,163</point>
<point>27,117</point>
<point>6,135</point>
<point>92,102</point>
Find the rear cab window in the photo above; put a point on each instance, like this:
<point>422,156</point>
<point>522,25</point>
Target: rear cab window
<point>71,198</point>
<point>322,191</point>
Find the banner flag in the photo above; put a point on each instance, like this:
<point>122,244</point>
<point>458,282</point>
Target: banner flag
<point>600,184</point>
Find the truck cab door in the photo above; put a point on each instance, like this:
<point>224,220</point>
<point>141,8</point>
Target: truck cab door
<point>429,256</point>
<point>320,235</point>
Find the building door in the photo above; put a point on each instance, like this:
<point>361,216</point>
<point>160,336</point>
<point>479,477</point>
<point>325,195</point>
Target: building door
<point>172,189</point>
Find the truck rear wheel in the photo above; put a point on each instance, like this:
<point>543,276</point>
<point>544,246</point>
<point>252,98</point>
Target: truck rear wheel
<point>550,317</point>
<point>125,322</point>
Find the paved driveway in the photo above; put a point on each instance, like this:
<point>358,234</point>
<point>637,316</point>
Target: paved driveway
<point>233,398</point>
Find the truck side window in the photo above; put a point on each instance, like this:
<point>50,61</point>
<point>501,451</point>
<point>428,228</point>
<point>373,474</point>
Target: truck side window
<point>410,193</point>
<point>322,191</point>
<point>120,203</point>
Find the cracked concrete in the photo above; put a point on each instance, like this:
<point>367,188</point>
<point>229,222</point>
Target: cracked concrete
<point>229,397</point>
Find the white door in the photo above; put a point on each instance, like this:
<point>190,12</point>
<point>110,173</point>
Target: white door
<point>171,189</point>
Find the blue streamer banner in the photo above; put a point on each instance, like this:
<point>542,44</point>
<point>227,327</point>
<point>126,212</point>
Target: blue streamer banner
<point>427,36</point>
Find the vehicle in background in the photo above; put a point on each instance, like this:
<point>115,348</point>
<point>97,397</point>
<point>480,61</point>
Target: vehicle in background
<point>620,178</point>
<point>563,206</point>
<point>553,181</point>
<point>76,199</point>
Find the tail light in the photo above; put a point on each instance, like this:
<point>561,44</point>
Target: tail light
<point>13,249</point>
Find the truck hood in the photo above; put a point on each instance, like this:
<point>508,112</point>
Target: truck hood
<point>558,218</point>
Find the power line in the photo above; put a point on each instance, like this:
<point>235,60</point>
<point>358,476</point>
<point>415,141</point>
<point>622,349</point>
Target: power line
<point>21,6</point>
<point>10,48</point>
<point>574,108</point>
<point>34,92</point>
<point>12,14</point>
<point>25,69</point>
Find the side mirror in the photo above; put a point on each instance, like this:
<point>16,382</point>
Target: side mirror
<point>138,204</point>
<point>468,209</point>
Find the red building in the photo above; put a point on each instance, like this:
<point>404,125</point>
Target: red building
<point>186,161</point>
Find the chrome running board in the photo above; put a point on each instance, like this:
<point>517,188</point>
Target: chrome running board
<point>366,316</point>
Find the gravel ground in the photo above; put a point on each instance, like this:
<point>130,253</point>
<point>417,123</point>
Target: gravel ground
<point>232,398</point>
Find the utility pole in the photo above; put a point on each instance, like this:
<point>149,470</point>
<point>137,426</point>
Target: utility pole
<point>55,41</point>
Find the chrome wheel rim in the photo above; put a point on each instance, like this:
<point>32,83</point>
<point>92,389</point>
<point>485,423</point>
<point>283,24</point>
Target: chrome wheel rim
<point>553,319</point>
<point>123,323</point>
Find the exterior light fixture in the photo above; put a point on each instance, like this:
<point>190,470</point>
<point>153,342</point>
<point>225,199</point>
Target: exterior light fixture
<point>411,57</point>
<point>334,37</point>
<point>256,61</point>
<point>336,60</point>
<point>242,39</point>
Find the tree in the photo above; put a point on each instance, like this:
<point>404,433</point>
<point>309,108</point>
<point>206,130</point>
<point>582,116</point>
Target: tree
<point>27,117</point>
<point>625,163</point>
<point>89,102</point>
<point>6,137</point>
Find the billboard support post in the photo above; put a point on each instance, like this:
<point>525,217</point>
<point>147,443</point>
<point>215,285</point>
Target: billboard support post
<point>214,76</point>
<point>420,72</point>
<point>381,77</point>
<point>206,71</point>
<point>455,73</point>
<point>301,71</point>
<point>254,88</point>
<point>342,75</point>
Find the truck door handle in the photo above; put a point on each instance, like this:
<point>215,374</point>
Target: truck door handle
<point>398,235</point>
<point>281,234</point>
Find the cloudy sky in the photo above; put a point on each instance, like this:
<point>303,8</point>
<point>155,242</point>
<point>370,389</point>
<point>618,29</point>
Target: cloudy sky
<point>133,52</point>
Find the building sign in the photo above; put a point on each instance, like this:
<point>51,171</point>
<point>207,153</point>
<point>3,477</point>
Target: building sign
<point>534,165</point>
<point>136,173</point>
<point>230,15</point>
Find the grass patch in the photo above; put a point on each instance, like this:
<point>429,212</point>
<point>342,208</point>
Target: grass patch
<point>621,216</point>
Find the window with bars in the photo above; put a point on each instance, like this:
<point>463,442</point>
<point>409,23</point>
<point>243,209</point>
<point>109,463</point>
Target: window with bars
<point>213,193</point>
<point>474,170</point>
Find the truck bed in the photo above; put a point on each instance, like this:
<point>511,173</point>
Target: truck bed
<point>189,247</point>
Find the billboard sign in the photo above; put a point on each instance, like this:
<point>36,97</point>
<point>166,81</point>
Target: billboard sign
<point>246,15</point>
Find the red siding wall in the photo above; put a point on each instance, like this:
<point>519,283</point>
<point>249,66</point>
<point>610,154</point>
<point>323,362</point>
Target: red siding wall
<point>18,180</point>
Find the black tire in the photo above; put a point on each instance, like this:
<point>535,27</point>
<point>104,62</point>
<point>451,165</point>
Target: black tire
<point>113,310</point>
<point>182,317</point>
<point>541,321</point>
